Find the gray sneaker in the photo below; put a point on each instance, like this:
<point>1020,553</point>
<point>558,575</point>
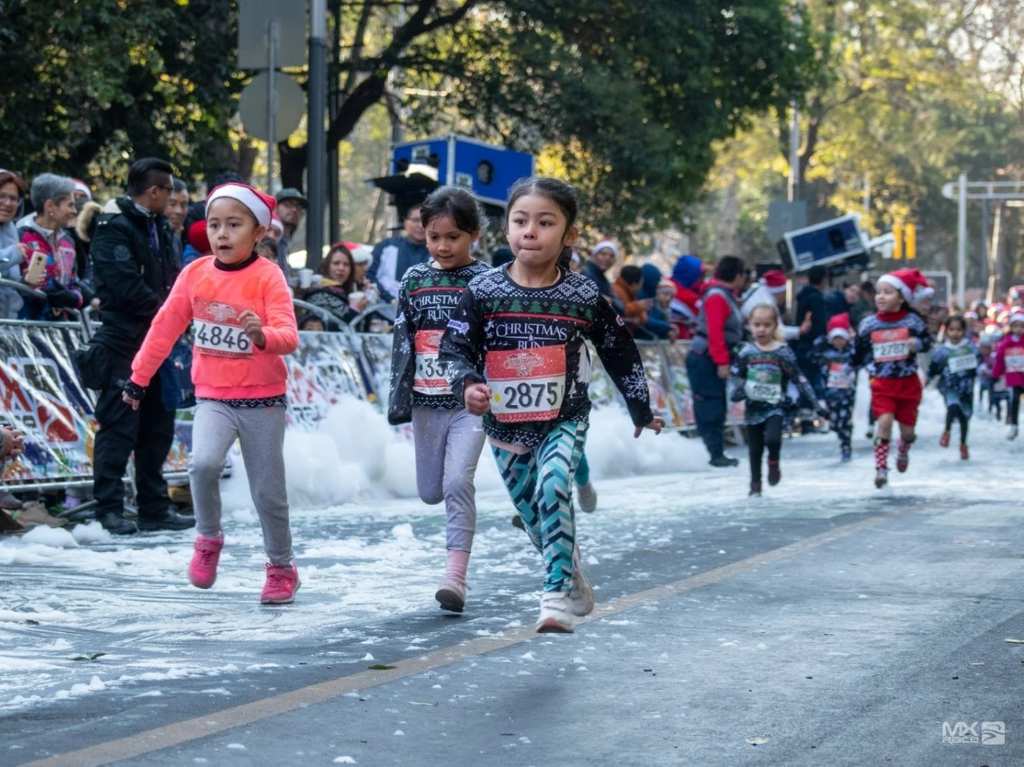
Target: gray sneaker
<point>587,496</point>
<point>556,615</point>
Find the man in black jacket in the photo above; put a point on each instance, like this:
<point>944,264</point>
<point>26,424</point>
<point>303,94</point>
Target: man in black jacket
<point>134,268</point>
<point>811,299</point>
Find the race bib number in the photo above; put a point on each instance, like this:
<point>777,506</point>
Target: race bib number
<point>961,363</point>
<point>431,375</point>
<point>221,339</point>
<point>764,384</point>
<point>1015,360</point>
<point>840,376</point>
<point>526,384</point>
<point>892,345</point>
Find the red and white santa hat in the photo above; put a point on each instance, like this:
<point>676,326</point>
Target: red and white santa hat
<point>259,204</point>
<point>1017,316</point>
<point>775,281</point>
<point>81,188</point>
<point>911,284</point>
<point>839,325</point>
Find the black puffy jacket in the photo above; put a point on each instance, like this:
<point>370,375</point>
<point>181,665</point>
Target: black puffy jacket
<point>130,280</point>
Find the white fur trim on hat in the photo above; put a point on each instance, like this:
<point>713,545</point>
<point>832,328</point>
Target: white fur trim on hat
<point>606,245</point>
<point>896,282</point>
<point>838,332</point>
<point>1017,316</point>
<point>245,195</point>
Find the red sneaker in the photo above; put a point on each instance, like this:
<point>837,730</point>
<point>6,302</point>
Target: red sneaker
<point>281,585</point>
<point>903,458</point>
<point>965,454</point>
<point>202,570</point>
<point>944,439</point>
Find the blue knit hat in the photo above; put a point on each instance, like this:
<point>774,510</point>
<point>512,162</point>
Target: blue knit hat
<point>688,270</point>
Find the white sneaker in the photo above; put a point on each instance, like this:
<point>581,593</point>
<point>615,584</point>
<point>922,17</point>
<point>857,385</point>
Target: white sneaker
<point>451,595</point>
<point>556,616</point>
<point>1013,433</point>
<point>587,496</point>
<point>581,595</point>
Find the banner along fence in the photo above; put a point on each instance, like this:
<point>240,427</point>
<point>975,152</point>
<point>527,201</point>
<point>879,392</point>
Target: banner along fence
<point>43,397</point>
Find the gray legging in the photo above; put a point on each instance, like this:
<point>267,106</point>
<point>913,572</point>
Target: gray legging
<point>260,431</point>
<point>448,445</point>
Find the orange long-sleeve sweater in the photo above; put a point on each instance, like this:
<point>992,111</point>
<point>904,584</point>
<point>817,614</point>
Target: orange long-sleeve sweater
<point>225,363</point>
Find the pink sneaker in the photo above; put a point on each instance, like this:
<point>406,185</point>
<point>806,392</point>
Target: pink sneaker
<point>202,570</point>
<point>282,583</point>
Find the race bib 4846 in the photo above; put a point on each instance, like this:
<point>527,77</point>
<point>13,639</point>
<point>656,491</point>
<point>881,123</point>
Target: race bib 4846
<point>526,384</point>
<point>217,331</point>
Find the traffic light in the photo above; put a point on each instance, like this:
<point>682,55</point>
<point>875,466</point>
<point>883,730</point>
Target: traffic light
<point>897,248</point>
<point>910,241</point>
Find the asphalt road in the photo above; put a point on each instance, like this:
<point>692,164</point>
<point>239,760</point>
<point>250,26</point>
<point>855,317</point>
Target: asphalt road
<point>826,624</point>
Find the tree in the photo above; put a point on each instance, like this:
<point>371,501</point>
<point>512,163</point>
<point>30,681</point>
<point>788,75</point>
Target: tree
<point>87,85</point>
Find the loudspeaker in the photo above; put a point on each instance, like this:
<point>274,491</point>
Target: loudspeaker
<point>830,243</point>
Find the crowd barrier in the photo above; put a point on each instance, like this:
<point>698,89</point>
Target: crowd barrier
<point>43,397</point>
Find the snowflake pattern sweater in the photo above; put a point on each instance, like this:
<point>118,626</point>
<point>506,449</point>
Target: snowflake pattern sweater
<point>956,367</point>
<point>527,344</point>
<point>888,343</point>
<point>426,300</point>
<point>837,370</point>
<point>761,377</point>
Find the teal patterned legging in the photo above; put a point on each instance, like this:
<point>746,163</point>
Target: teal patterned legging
<point>540,484</point>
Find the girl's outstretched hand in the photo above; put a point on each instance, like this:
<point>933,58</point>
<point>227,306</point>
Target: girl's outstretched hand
<point>656,425</point>
<point>478,398</point>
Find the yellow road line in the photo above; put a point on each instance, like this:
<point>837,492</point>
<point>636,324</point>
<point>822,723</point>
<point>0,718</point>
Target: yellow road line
<point>189,730</point>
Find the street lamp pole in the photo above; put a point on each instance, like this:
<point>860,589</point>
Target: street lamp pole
<point>317,139</point>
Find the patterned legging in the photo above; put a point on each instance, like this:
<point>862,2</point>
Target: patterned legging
<point>540,484</point>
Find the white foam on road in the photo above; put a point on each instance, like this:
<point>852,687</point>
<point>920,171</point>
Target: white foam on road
<point>369,552</point>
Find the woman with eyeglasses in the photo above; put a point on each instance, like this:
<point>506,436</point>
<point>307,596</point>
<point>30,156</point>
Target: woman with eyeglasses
<point>12,252</point>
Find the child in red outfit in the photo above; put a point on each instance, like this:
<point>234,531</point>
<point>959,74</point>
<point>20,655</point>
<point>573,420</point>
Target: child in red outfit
<point>1009,362</point>
<point>243,322</point>
<point>888,343</point>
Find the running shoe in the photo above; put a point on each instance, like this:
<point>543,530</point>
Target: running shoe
<point>281,584</point>
<point>881,478</point>
<point>755,489</point>
<point>774,473</point>
<point>556,615</point>
<point>451,595</point>
<point>581,595</point>
<point>944,439</point>
<point>202,570</point>
<point>587,496</point>
<point>965,454</point>
<point>1013,433</point>
<point>845,454</point>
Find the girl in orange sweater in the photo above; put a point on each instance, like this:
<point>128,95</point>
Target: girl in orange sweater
<point>243,325</point>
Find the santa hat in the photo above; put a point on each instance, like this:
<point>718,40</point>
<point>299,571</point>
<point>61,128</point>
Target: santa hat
<point>839,325</point>
<point>911,284</point>
<point>198,238</point>
<point>775,281</point>
<point>80,187</point>
<point>276,223</point>
<point>259,204</point>
<point>665,282</point>
<point>606,245</point>
<point>1017,316</point>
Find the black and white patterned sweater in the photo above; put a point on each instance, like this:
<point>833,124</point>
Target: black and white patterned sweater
<point>426,300</point>
<point>527,344</point>
<point>888,343</point>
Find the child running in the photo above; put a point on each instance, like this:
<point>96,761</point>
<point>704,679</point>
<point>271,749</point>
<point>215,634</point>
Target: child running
<point>888,343</point>
<point>834,354</point>
<point>761,374</point>
<point>955,364</point>
<point>1009,363</point>
<point>448,439</point>
<point>244,324</point>
<point>515,354</point>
